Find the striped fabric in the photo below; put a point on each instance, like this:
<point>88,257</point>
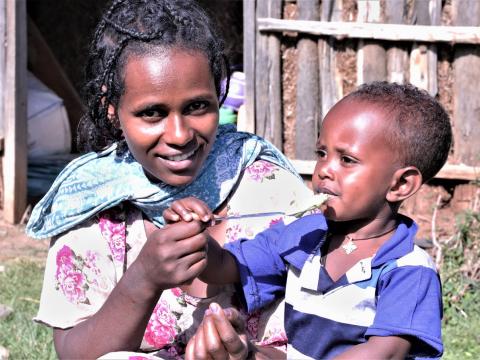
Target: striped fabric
<point>395,293</point>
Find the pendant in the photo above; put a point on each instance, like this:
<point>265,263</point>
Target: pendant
<point>349,247</point>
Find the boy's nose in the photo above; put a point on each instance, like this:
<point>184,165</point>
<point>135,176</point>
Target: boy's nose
<point>177,130</point>
<point>324,170</point>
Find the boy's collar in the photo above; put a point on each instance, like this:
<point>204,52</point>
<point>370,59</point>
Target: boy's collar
<point>400,244</point>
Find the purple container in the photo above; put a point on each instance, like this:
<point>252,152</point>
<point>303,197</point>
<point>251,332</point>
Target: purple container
<point>236,91</point>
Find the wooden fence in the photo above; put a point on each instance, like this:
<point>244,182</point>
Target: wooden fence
<point>431,45</point>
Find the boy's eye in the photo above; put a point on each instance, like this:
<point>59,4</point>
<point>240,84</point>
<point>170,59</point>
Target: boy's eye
<point>321,153</point>
<point>348,160</point>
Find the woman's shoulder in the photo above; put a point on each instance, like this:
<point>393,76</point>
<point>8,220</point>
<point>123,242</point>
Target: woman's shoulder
<point>264,184</point>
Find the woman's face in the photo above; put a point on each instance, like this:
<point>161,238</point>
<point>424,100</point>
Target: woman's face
<point>169,113</point>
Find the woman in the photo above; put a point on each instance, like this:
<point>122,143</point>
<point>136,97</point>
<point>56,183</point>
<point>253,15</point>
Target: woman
<point>116,279</point>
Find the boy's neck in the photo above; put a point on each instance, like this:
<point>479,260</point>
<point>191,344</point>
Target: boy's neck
<point>363,229</point>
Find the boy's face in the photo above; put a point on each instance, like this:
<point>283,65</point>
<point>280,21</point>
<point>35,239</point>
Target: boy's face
<point>355,163</point>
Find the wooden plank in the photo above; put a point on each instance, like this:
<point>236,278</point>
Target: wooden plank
<point>15,113</point>
<point>268,118</point>
<point>308,89</point>
<point>423,57</point>
<point>247,122</point>
<point>397,55</point>
<point>371,56</point>
<point>328,70</point>
<point>448,171</point>
<point>466,91</point>
<point>2,66</point>
<point>378,31</point>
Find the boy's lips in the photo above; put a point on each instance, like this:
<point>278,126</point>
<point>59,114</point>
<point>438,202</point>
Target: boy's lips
<point>326,191</point>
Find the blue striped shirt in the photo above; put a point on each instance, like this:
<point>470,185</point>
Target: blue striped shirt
<point>395,293</point>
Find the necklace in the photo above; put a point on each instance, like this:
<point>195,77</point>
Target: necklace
<point>350,246</point>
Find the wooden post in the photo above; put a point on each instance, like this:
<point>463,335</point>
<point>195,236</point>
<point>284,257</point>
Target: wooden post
<point>371,57</point>
<point>249,32</point>
<point>466,87</point>
<point>423,58</point>
<point>328,71</point>
<point>15,112</point>
<point>397,56</point>
<point>268,119</point>
<point>308,90</point>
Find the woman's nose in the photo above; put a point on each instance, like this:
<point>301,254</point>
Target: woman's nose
<point>177,131</point>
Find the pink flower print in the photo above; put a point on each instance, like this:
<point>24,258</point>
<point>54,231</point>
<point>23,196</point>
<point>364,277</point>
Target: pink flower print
<point>162,326</point>
<point>274,221</point>
<point>177,292</point>
<point>277,337</point>
<point>65,259</point>
<point>115,235</point>
<point>233,233</point>
<point>260,170</point>
<point>252,324</point>
<point>73,287</point>
<point>137,357</point>
<point>91,261</point>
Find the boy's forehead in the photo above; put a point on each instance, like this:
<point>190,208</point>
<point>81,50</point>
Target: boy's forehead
<point>358,112</point>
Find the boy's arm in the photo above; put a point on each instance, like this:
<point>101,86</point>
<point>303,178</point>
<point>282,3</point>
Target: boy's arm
<point>221,265</point>
<point>378,347</point>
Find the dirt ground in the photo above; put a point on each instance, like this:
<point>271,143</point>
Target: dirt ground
<point>14,243</point>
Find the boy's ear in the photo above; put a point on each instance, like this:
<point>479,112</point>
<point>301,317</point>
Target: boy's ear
<point>405,182</point>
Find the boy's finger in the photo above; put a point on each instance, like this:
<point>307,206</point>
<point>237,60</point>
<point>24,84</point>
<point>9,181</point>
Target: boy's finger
<point>229,325</point>
<point>182,209</point>
<point>170,216</point>
<point>214,343</point>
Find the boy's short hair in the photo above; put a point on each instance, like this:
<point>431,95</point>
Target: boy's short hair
<point>421,133</point>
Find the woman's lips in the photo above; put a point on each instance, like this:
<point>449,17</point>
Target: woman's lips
<point>180,162</point>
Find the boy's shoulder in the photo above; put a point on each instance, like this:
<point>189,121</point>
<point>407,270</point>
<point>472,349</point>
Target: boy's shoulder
<point>417,257</point>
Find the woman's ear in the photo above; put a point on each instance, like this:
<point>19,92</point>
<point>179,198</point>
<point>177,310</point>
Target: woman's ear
<point>405,182</point>
<point>111,113</point>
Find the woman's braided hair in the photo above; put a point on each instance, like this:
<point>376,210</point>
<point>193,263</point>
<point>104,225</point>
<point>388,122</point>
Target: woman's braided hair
<point>141,27</point>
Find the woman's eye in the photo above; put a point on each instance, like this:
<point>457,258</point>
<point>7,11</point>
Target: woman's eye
<point>197,107</point>
<point>152,114</point>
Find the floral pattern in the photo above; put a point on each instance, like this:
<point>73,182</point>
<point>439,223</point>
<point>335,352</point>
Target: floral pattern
<point>162,326</point>
<point>113,229</point>
<point>84,267</point>
<point>261,170</point>
<point>72,274</point>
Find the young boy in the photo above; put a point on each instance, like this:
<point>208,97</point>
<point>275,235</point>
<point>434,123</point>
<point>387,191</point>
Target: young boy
<point>355,284</point>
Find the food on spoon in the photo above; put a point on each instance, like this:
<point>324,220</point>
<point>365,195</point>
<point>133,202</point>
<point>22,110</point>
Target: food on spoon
<point>312,203</point>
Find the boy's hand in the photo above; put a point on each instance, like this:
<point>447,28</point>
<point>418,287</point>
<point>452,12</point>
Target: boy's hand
<point>188,209</point>
<point>221,335</point>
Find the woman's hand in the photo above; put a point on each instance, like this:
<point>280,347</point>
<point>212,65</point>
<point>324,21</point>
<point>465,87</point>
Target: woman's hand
<point>173,255</point>
<point>221,335</point>
<point>187,209</point>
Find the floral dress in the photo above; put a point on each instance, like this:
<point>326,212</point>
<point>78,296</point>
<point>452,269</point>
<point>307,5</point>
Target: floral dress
<point>84,265</point>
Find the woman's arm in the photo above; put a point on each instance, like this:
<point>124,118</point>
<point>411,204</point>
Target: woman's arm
<point>171,256</point>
